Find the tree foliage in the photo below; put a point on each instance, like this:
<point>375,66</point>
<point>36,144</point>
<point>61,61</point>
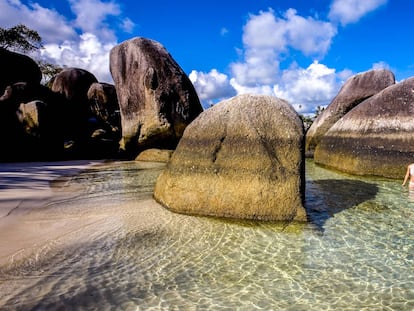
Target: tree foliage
<point>48,70</point>
<point>20,38</point>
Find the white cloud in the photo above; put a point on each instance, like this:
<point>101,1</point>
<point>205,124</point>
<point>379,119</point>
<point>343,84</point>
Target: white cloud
<point>48,23</point>
<point>304,88</point>
<point>211,86</point>
<point>267,38</point>
<point>351,11</point>
<point>89,53</point>
<point>84,42</point>
<point>308,88</point>
<point>310,36</point>
<point>91,16</point>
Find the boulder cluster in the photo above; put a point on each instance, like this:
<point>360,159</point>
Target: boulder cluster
<point>367,129</point>
<point>242,158</point>
<point>76,116</point>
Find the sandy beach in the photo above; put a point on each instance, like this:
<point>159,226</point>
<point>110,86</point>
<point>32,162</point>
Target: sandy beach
<point>25,192</point>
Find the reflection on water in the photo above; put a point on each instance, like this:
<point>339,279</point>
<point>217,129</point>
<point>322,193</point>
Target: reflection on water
<point>355,254</point>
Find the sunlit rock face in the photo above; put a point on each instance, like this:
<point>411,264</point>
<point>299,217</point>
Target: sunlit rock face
<point>157,99</point>
<point>155,155</point>
<point>243,158</point>
<point>355,90</point>
<point>374,138</point>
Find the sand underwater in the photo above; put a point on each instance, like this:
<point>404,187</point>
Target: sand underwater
<point>87,235</point>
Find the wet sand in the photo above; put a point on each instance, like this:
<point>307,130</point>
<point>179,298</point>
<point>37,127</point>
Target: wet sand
<point>25,192</point>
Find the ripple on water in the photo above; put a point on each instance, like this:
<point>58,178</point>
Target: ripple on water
<point>356,254</point>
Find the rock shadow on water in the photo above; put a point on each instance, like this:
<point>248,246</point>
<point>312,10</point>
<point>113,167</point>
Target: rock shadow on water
<point>326,197</point>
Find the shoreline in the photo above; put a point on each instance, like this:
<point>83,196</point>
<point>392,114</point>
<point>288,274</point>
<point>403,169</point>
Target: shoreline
<point>25,188</point>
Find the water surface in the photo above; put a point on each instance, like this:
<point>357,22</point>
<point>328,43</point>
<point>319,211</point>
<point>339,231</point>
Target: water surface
<point>357,252</point>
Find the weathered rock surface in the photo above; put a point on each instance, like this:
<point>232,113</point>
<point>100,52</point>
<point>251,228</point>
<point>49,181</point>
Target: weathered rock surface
<point>156,98</point>
<point>155,155</point>
<point>355,90</point>
<point>242,158</point>
<point>374,138</point>
<point>104,104</point>
<point>17,67</point>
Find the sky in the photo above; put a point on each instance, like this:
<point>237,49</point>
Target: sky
<point>300,51</point>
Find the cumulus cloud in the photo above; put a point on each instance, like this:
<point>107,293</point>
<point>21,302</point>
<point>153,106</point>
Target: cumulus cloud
<point>51,25</point>
<point>84,42</point>
<point>212,86</point>
<point>351,11</point>
<point>267,38</point>
<point>268,43</point>
<point>91,16</point>
<point>88,53</point>
<point>308,88</point>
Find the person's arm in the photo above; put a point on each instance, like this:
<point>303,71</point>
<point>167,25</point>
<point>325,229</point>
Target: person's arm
<point>406,175</point>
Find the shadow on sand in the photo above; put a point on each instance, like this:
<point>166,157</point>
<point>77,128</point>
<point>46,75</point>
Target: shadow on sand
<point>326,197</point>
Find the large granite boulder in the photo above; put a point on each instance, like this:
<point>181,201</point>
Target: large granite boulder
<point>77,115</point>
<point>42,139</point>
<point>374,138</point>
<point>105,107</point>
<point>15,67</point>
<point>355,90</point>
<point>31,122</point>
<point>243,158</point>
<point>157,99</point>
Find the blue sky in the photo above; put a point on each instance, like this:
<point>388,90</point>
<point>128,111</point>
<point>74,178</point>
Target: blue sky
<point>301,51</point>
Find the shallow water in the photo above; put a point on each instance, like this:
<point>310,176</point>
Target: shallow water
<point>357,253</point>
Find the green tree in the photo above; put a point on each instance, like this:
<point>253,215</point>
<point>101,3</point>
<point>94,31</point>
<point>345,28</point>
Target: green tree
<point>48,70</point>
<point>20,39</point>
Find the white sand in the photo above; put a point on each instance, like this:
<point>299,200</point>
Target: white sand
<point>24,190</point>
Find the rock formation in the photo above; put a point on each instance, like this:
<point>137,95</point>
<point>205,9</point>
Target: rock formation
<point>243,158</point>
<point>17,67</point>
<point>155,155</point>
<point>74,84</point>
<point>355,90</point>
<point>374,138</point>
<point>156,98</point>
<point>105,107</point>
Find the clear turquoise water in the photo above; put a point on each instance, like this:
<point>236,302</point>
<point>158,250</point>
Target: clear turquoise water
<point>357,253</point>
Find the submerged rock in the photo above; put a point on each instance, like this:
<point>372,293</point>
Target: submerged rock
<point>243,158</point>
<point>355,90</point>
<point>374,138</point>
